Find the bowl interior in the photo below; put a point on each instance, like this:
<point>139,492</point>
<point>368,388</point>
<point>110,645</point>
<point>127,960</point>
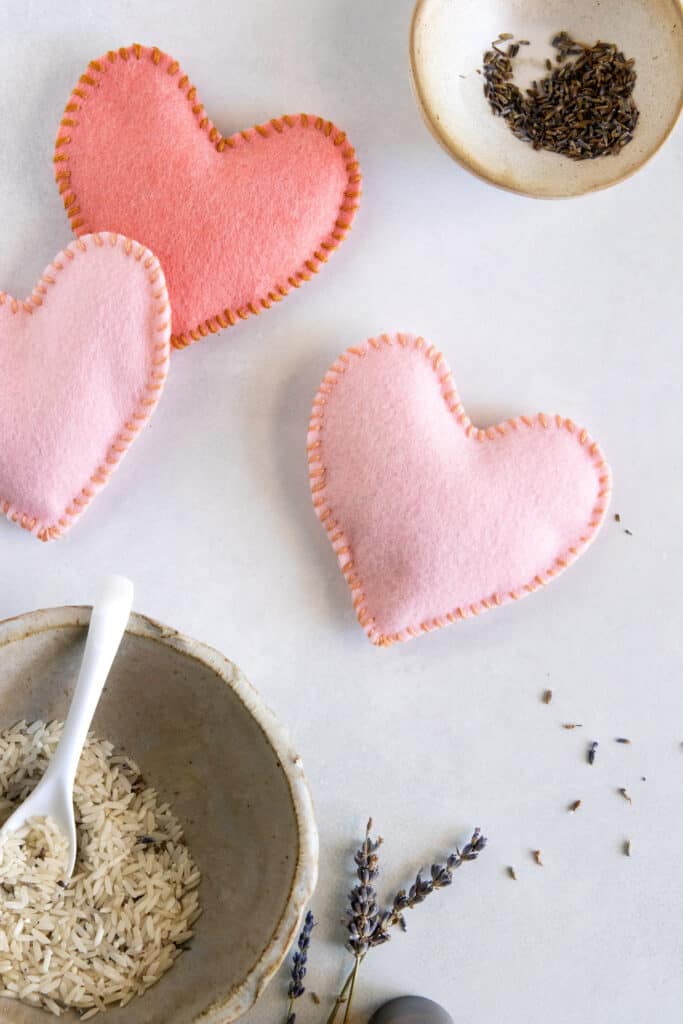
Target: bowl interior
<point>449,38</point>
<point>199,744</point>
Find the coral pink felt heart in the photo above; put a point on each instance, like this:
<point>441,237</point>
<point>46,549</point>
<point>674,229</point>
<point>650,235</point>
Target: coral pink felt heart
<point>433,520</point>
<point>237,222</point>
<point>82,362</point>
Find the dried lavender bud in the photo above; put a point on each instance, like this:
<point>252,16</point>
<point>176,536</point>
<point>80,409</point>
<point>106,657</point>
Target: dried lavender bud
<point>575,806</point>
<point>625,795</point>
<point>547,696</point>
<point>512,873</point>
<point>622,739</point>
<point>582,109</point>
<point>617,517</point>
<point>537,858</point>
<point>627,847</point>
<point>592,751</point>
<point>572,725</point>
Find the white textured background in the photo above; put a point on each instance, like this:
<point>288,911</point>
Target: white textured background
<point>572,307</point>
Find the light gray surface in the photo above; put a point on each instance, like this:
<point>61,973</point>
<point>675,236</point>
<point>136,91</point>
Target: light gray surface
<point>561,306</point>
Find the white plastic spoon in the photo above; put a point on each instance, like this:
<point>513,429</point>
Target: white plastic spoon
<point>53,796</point>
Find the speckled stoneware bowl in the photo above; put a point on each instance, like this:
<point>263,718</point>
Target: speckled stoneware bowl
<point>449,37</point>
<point>204,738</point>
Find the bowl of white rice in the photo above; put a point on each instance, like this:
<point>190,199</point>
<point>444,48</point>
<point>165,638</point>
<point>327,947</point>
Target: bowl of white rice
<point>197,842</point>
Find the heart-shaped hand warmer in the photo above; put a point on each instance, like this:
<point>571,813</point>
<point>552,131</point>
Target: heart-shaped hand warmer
<point>236,222</point>
<point>433,520</point>
<point>82,363</point>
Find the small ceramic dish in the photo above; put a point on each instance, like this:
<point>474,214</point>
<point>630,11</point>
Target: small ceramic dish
<point>204,739</point>
<point>448,40</point>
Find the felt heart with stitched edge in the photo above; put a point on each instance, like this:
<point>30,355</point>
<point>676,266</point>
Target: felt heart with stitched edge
<point>237,222</point>
<point>432,519</point>
<point>82,363</point>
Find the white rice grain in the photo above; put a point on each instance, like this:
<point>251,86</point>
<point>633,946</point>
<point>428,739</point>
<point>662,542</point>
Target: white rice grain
<point>117,927</point>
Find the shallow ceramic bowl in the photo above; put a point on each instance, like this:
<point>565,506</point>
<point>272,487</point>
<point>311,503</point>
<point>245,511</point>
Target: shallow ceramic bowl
<point>448,40</point>
<point>203,737</point>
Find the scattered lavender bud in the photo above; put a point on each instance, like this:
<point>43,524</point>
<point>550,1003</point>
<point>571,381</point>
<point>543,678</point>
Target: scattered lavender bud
<point>575,806</point>
<point>547,696</point>
<point>537,858</point>
<point>625,794</point>
<point>592,751</point>
<point>512,873</point>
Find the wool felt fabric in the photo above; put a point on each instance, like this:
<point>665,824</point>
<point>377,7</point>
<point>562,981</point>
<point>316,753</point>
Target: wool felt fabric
<point>432,519</point>
<point>82,362</point>
<point>237,222</point>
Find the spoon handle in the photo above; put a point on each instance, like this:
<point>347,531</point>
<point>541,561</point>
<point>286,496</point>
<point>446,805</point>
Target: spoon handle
<point>108,621</point>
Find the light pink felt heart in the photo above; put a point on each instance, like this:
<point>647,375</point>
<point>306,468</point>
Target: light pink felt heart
<point>237,221</point>
<point>82,363</point>
<point>432,519</point>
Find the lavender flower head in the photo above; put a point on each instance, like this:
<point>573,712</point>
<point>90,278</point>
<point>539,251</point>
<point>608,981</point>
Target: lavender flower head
<point>300,958</point>
<point>299,966</point>
<point>440,876</point>
<point>363,914</point>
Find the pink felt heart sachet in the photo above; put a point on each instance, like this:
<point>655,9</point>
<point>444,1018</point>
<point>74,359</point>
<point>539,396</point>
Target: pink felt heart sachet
<point>83,362</point>
<point>236,222</point>
<point>432,519</point>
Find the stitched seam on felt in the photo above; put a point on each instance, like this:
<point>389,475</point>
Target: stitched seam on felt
<point>320,255</point>
<point>443,374</point>
<point>152,388</point>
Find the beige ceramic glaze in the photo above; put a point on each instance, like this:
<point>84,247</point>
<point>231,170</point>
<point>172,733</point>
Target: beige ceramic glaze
<point>449,37</point>
<point>203,737</point>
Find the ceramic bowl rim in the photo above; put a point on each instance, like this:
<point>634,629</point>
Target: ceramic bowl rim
<point>243,997</point>
<point>461,157</point>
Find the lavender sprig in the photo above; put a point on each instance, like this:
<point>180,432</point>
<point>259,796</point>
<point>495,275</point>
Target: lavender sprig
<point>299,966</point>
<point>367,926</point>
<point>362,916</point>
<point>440,876</point>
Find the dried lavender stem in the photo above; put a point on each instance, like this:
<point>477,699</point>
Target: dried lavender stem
<point>340,999</point>
<point>354,975</point>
